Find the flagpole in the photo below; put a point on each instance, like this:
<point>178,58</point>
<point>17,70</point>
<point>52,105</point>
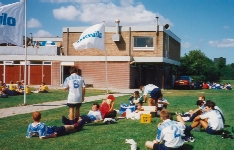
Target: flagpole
<point>25,44</point>
<point>105,58</point>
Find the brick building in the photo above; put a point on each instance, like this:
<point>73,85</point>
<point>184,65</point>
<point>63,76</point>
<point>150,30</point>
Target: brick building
<point>136,55</point>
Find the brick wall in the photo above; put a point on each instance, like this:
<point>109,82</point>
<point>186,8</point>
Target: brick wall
<point>120,48</point>
<point>95,73</point>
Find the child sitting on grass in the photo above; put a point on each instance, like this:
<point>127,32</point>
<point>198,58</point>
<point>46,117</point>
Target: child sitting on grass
<point>162,103</point>
<point>136,99</point>
<point>169,134</point>
<point>44,132</point>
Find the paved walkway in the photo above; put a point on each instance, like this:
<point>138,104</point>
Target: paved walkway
<point>5,112</point>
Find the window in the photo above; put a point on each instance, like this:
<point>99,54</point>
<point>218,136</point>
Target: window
<point>143,43</point>
<point>47,62</point>
<point>166,45</point>
<point>36,62</point>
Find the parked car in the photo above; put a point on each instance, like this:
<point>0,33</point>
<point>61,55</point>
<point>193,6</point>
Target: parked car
<point>183,82</point>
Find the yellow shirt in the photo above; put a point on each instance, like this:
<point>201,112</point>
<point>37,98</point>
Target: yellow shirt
<point>12,87</point>
<point>28,91</point>
<point>44,88</point>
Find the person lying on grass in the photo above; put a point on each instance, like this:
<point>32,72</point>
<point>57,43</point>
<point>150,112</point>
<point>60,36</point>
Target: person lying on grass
<point>44,132</point>
<point>169,134</point>
<point>94,115</point>
<point>212,120</point>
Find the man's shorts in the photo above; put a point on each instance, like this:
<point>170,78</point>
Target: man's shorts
<point>156,93</point>
<point>59,130</point>
<point>77,105</point>
<point>211,131</point>
<point>162,146</point>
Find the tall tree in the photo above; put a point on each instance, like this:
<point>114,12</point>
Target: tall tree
<point>197,65</point>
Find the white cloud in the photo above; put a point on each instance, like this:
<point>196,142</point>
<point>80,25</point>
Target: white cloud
<point>223,43</point>
<point>127,13</point>
<point>0,4</point>
<point>66,13</point>
<point>185,45</point>
<point>42,33</point>
<point>33,23</point>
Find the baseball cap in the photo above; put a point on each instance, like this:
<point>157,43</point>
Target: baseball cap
<point>111,97</point>
<point>155,93</point>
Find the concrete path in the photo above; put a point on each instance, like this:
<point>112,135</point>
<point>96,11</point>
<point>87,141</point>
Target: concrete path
<point>5,112</point>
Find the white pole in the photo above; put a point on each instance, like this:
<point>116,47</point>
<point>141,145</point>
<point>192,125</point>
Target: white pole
<point>25,60</point>
<point>105,60</point>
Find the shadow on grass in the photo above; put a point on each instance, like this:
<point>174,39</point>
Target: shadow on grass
<point>187,147</point>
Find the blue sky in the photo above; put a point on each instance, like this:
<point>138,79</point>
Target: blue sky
<point>206,25</point>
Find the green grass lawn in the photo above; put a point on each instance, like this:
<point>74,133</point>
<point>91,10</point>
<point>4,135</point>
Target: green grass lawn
<point>112,137</point>
<point>53,95</point>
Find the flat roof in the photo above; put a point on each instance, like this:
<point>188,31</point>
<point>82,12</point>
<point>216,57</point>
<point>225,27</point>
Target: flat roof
<point>149,28</point>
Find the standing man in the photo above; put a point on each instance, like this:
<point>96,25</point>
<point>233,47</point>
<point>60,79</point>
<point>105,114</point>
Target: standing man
<point>76,92</point>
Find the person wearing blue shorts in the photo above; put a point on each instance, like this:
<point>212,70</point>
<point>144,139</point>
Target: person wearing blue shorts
<point>154,96</point>
<point>76,91</point>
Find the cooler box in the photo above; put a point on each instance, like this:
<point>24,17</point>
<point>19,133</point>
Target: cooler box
<point>146,118</point>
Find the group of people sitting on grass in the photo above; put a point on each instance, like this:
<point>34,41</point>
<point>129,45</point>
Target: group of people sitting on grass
<point>18,88</point>
<point>170,134</point>
<point>13,89</point>
<point>214,85</point>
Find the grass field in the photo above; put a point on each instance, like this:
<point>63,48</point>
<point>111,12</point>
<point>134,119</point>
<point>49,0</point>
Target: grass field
<point>112,137</point>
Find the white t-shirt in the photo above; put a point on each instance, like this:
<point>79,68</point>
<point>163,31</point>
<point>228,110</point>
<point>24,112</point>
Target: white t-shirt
<point>216,107</point>
<point>75,84</point>
<point>215,120</point>
<point>148,88</point>
<point>171,132</point>
<point>96,114</point>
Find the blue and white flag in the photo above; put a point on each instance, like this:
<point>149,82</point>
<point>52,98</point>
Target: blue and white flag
<point>92,37</point>
<point>12,23</point>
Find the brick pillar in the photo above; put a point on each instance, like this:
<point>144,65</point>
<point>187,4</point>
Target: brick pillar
<point>55,73</point>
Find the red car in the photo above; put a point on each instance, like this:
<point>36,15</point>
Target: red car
<point>183,82</point>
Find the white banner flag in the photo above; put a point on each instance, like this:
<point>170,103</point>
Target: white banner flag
<point>12,23</point>
<point>92,37</point>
